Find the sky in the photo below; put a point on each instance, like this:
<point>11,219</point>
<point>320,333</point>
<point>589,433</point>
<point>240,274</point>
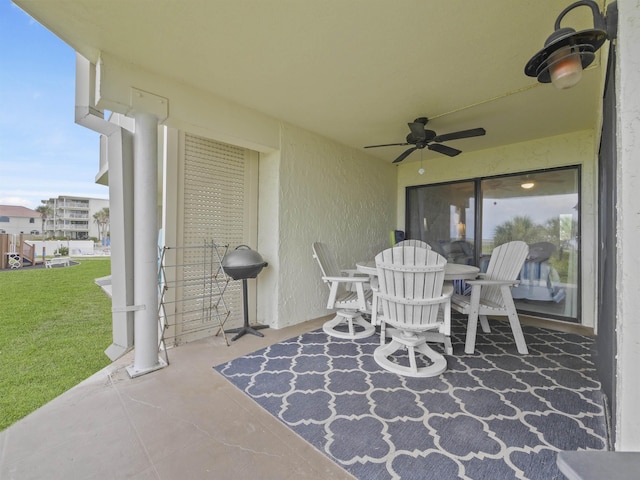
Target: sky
<point>43,153</point>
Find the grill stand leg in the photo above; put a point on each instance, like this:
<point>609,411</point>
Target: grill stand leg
<point>246,328</point>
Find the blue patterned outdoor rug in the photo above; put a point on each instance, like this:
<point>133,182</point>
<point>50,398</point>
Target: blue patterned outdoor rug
<point>491,415</point>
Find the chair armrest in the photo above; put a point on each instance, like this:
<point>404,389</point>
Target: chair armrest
<point>347,279</point>
<point>353,272</point>
<point>359,284</point>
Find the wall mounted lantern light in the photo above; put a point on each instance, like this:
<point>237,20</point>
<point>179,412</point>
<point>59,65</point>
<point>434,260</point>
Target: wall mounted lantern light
<point>567,52</point>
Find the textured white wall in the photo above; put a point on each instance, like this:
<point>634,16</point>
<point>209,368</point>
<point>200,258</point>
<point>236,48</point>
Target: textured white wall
<point>17,225</point>
<point>576,149</point>
<point>628,386</point>
<point>268,238</point>
<point>325,192</point>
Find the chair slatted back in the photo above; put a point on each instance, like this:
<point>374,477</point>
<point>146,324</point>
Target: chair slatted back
<point>505,264</point>
<point>410,284</point>
<point>413,243</point>
<point>328,264</point>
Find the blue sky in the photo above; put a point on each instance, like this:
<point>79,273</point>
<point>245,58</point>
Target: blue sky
<point>43,153</point>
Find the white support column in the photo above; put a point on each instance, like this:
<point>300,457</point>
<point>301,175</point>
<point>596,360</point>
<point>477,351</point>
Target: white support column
<point>145,248</point>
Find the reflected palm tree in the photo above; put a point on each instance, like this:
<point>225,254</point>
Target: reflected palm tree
<point>518,228</point>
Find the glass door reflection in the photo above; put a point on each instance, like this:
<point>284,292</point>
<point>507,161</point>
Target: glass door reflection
<point>541,208</point>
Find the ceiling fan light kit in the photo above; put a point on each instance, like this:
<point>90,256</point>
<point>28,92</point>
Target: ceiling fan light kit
<point>567,52</point>
<point>421,138</point>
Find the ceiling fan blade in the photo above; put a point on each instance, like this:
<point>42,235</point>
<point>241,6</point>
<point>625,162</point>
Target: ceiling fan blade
<point>417,131</point>
<point>451,152</point>
<point>405,154</point>
<point>474,132</point>
<point>387,145</point>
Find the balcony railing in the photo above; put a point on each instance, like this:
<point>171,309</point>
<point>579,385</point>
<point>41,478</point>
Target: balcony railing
<point>72,215</point>
<point>72,204</point>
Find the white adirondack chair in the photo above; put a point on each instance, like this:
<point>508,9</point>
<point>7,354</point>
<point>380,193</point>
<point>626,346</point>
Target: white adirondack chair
<point>413,243</point>
<point>491,294</point>
<point>412,300</point>
<point>347,295</point>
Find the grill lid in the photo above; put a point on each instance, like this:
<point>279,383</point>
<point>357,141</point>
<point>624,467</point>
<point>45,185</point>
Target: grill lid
<point>243,263</point>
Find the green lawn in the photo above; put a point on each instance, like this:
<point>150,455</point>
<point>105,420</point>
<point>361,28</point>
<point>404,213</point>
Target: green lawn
<point>54,327</point>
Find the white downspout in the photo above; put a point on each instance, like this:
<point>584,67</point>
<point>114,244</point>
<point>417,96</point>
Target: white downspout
<point>116,144</point>
<point>145,245</point>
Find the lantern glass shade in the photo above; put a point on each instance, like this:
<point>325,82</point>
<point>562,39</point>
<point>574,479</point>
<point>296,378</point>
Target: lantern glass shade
<point>565,67</point>
<point>567,52</point>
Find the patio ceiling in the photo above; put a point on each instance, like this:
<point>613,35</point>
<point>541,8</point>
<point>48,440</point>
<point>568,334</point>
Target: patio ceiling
<point>353,71</point>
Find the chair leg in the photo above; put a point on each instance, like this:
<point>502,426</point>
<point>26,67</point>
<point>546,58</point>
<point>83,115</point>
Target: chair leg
<point>438,365</point>
<point>484,323</point>
<point>516,328</point>
<point>412,358</point>
<point>448,348</point>
<point>472,322</point>
<point>374,309</point>
<point>348,317</point>
<point>351,328</point>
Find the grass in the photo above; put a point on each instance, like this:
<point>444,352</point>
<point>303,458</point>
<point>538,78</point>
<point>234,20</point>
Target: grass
<point>54,327</point>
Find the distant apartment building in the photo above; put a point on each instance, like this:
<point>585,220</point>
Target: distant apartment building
<point>72,217</point>
<point>15,220</point>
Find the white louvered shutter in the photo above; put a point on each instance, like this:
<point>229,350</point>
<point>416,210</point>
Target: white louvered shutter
<point>219,207</point>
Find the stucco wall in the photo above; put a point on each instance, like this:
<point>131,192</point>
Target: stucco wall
<point>325,192</point>
<point>268,238</point>
<point>310,188</point>
<point>575,149</point>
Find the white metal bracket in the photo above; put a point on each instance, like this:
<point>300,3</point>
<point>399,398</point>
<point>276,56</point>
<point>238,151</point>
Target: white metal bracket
<point>145,102</point>
<point>129,308</point>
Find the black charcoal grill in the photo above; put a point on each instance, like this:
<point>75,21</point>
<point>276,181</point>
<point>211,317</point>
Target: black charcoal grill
<point>242,264</point>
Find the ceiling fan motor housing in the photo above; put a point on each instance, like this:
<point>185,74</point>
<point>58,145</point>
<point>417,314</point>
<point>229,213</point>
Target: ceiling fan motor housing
<point>421,141</point>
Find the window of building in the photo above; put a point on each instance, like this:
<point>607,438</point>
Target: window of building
<point>4,218</point>
<point>466,220</point>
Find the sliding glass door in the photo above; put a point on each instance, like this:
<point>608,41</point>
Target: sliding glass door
<point>444,217</point>
<point>465,221</point>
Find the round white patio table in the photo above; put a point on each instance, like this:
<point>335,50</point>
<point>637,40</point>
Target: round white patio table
<point>452,271</point>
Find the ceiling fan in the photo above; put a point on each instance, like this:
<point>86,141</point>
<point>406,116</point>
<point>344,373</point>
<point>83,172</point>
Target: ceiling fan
<point>420,137</point>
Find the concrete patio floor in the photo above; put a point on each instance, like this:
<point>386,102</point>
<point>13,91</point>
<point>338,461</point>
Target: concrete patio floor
<point>183,422</point>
